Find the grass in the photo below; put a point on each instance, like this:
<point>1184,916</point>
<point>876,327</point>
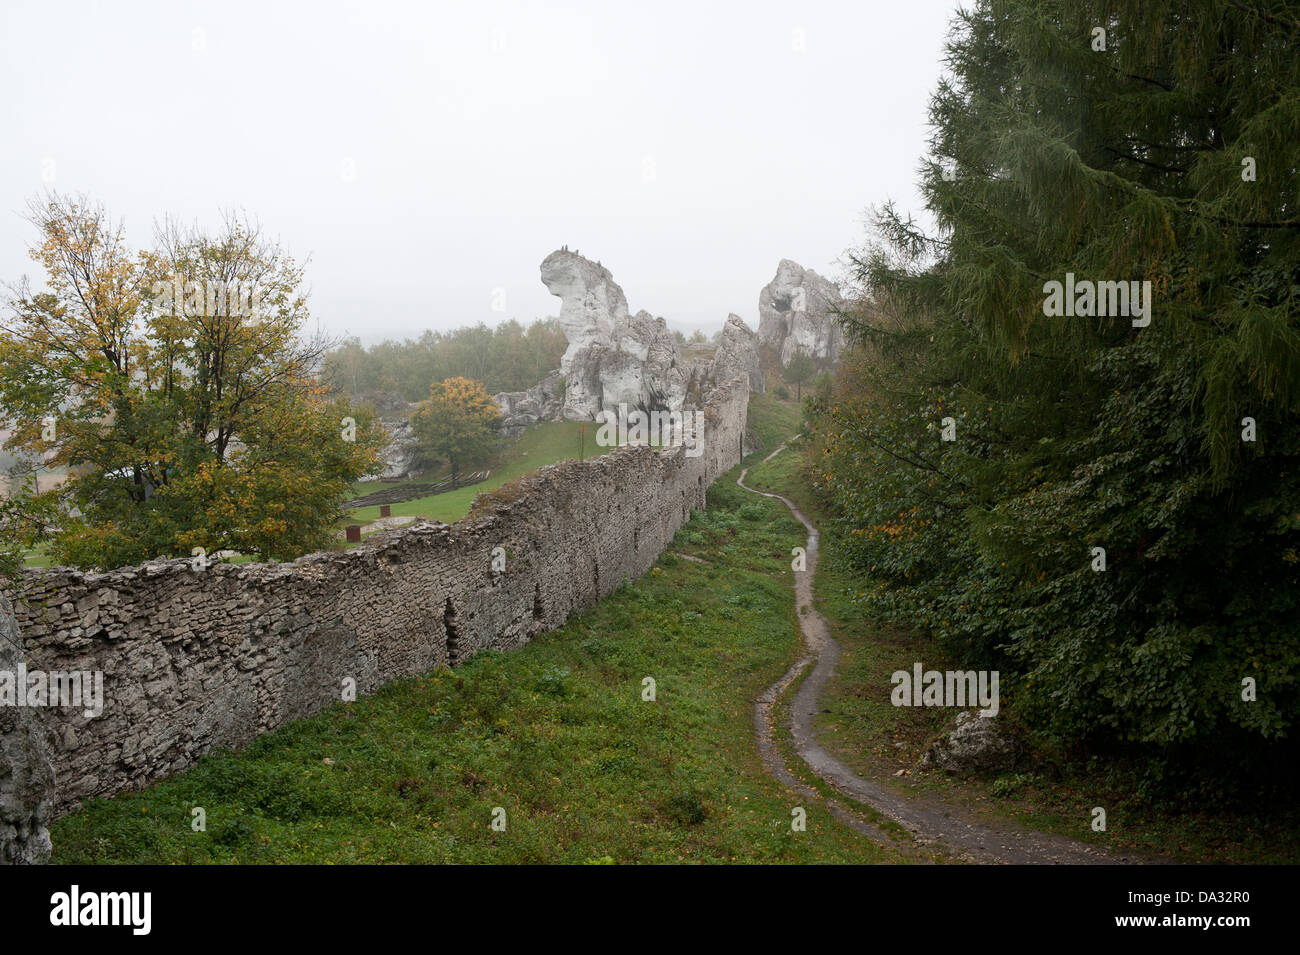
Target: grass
<point>38,556</point>
<point>546,443</point>
<point>772,420</point>
<point>556,734</point>
<point>860,726</point>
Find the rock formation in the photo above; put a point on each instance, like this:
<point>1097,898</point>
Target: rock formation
<point>977,744</point>
<point>737,354</point>
<point>613,358</point>
<point>399,455</point>
<point>795,314</point>
<point>26,777</point>
<point>616,358</point>
<point>522,409</point>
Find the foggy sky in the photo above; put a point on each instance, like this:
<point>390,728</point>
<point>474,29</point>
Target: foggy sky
<point>427,157</point>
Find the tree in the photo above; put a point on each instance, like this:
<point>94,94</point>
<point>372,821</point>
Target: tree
<point>986,455</point>
<point>458,424</point>
<point>506,358</point>
<point>23,518</point>
<point>801,368</point>
<point>175,384</point>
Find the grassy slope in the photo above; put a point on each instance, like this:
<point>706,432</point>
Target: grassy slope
<point>772,420</point>
<point>557,734</point>
<point>548,443</point>
<point>863,729</point>
<point>38,556</point>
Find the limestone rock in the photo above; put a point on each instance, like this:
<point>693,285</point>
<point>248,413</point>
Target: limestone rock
<point>978,744</point>
<point>401,452</point>
<point>591,302</point>
<point>399,455</point>
<point>795,314</point>
<point>613,357</point>
<point>26,776</point>
<point>699,378</point>
<point>737,354</point>
<point>521,410</point>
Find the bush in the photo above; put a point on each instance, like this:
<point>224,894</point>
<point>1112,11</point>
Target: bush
<point>553,681</point>
<point>686,808</point>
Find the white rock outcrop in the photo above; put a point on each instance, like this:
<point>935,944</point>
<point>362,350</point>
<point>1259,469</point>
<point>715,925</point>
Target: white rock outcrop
<point>522,409</point>
<point>613,357</point>
<point>977,744</point>
<point>402,450</point>
<point>795,314</point>
<point>737,354</point>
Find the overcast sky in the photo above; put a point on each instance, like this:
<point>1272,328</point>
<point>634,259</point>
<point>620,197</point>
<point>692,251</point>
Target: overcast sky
<point>426,156</point>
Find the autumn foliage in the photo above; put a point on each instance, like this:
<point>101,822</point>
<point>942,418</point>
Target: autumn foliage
<point>457,424</point>
<point>187,420</point>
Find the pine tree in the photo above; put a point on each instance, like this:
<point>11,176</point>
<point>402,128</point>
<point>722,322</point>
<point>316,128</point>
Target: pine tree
<point>1107,142</point>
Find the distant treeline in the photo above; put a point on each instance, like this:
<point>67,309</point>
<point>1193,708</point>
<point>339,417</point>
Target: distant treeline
<point>508,357</point>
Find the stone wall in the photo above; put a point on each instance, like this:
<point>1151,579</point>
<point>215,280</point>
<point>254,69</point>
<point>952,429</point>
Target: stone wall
<point>26,776</point>
<point>196,659</point>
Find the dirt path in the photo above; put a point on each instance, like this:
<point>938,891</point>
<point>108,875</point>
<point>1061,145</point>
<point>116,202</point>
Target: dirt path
<point>929,822</point>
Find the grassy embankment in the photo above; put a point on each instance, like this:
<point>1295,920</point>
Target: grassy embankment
<point>557,734</point>
<point>1053,792</point>
<point>547,443</point>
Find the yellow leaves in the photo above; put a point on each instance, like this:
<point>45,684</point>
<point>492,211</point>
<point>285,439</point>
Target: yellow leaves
<point>465,394</point>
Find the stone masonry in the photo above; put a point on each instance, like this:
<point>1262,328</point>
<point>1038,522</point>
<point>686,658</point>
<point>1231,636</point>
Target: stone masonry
<point>200,659</point>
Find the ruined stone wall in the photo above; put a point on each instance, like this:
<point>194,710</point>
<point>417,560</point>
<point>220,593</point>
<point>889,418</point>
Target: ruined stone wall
<point>197,659</point>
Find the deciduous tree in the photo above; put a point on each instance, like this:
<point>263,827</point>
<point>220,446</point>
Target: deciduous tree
<point>178,387</point>
<point>458,424</point>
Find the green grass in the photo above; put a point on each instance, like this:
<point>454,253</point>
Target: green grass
<point>547,443</point>
<point>784,475</point>
<point>772,420</point>
<point>861,727</point>
<point>38,556</point>
<point>556,734</point>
